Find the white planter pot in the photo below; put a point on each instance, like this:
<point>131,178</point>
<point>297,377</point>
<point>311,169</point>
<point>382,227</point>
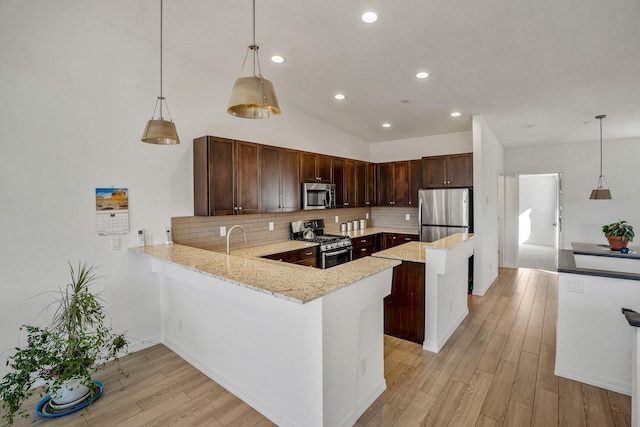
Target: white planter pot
<point>69,394</point>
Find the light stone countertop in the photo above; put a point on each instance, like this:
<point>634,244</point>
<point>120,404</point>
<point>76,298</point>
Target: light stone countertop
<point>245,268</point>
<point>415,251</point>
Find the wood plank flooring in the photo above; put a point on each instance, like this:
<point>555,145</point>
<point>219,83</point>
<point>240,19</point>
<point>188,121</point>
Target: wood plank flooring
<point>496,370</point>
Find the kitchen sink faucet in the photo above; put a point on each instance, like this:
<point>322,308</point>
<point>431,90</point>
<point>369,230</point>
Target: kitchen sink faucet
<point>229,233</point>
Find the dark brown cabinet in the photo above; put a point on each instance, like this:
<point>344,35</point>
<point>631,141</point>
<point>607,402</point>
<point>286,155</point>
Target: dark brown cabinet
<point>393,186</point>
<point>390,240</point>
<point>365,245</point>
<point>280,178</point>
<point>404,308</point>
<point>307,257</point>
<point>338,178</point>
<point>315,167</point>
<point>226,176</point>
<point>455,170</point>
<point>414,181</point>
<point>365,184</point>
<point>350,195</point>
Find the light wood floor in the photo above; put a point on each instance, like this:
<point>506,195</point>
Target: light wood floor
<point>496,370</point>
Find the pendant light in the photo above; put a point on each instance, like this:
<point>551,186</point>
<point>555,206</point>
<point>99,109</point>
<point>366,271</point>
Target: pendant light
<point>601,192</point>
<point>159,130</point>
<point>253,97</point>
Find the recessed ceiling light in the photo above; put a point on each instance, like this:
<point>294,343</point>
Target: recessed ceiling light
<point>422,75</point>
<point>277,59</point>
<point>339,96</point>
<point>369,17</point>
<point>455,114</point>
<point>386,125</point>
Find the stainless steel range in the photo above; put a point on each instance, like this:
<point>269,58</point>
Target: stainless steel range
<point>334,249</point>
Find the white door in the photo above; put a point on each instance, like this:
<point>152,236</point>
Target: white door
<point>539,220</point>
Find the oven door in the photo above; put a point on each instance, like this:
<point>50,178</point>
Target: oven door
<point>336,257</point>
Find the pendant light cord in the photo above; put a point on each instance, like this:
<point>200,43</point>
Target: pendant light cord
<point>600,117</point>
<point>161,97</point>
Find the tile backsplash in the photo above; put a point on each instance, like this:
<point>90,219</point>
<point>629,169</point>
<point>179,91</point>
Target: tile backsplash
<point>204,231</point>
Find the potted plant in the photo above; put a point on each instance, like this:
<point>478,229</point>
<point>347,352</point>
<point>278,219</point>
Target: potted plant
<point>65,353</point>
<point>619,234</point>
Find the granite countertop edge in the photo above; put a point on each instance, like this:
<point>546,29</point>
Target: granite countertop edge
<point>246,268</point>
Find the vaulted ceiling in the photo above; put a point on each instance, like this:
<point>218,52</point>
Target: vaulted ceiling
<point>536,70</point>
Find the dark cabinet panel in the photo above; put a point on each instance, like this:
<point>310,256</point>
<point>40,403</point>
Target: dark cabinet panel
<point>247,178</point>
<point>306,256</point>
<point>390,240</point>
<point>455,170</point>
<point>315,167</point>
<point>393,185</point>
<point>213,176</point>
<point>290,175</point>
<point>460,170</point>
<point>350,195</point>
<point>279,179</point>
<point>226,176</point>
<point>415,182</point>
<point>364,246</point>
<point>404,308</point>
<point>339,180</point>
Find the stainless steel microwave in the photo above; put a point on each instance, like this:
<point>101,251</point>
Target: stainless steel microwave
<point>317,195</point>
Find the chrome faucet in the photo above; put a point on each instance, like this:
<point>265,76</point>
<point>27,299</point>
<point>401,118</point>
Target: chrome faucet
<point>229,233</point>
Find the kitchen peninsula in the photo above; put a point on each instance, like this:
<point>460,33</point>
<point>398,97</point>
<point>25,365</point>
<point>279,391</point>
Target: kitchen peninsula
<point>445,281</point>
<point>303,346</point>
<point>593,340</point>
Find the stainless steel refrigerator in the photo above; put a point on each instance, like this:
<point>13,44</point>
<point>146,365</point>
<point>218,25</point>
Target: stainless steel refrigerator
<point>444,211</point>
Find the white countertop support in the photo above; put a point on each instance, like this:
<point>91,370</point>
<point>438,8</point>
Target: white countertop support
<point>446,282</point>
<point>315,364</point>
<point>446,287</point>
<point>593,341</point>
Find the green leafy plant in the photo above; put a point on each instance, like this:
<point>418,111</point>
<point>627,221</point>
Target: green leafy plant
<point>620,228</point>
<point>73,346</point>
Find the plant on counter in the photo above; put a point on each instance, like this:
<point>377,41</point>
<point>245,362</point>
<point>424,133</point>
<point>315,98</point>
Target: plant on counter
<point>619,234</point>
<point>67,351</point>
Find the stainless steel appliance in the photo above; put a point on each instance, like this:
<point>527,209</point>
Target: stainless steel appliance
<point>444,211</point>
<point>333,249</point>
<point>318,195</point>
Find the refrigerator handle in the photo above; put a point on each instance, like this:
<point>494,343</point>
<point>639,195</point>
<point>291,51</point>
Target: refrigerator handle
<point>419,217</point>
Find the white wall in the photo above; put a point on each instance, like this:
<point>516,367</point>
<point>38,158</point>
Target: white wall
<point>415,148</point>
<point>75,95</point>
<point>488,164</point>
<point>579,165</point>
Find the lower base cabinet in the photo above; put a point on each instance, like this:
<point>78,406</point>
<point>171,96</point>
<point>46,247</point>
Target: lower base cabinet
<point>404,308</point>
<point>307,257</point>
<point>365,246</point>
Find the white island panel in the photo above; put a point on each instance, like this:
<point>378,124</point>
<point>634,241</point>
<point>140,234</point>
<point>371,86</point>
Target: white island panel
<point>593,339</point>
<point>446,286</point>
<point>314,364</point>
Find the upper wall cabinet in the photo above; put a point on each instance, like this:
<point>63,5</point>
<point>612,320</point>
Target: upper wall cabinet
<point>393,186</point>
<point>280,178</point>
<point>226,176</point>
<point>365,184</point>
<point>315,167</point>
<point>455,170</point>
<point>414,181</point>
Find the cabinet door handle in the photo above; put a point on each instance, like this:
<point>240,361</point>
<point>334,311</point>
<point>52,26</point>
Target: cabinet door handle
<point>308,253</point>
<point>363,241</point>
<point>363,250</point>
